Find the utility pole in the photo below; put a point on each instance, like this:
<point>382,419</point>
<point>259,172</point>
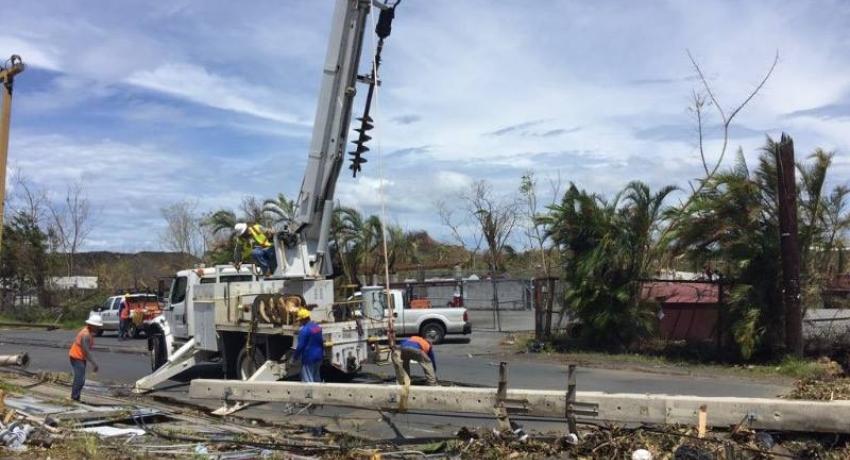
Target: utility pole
<point>789,245</point>
<point>8,71</point>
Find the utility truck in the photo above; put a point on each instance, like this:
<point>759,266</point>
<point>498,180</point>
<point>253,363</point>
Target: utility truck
<point>246,321</point>
<point>432,322</point>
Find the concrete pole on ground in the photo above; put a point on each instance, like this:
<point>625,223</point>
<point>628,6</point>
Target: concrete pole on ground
<point>13,67</point>
<point>789,245</point>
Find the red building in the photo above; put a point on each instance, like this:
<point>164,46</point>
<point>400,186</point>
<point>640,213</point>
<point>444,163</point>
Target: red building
<point>689,309</point>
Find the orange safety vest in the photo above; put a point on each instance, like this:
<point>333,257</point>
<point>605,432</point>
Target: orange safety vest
<point>125,312</point>
<point>426,347</point>
<point>77,350</point>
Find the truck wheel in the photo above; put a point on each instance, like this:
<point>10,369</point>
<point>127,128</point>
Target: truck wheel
<point>134,331</point>
<point>246,366</point>
<point>157,351</point>
<point>434,331</point>
<point>99,332</point>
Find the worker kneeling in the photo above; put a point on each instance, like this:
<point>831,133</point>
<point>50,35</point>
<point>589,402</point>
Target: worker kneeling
<point>415,349</point>
<point>256,244</point>
<point>311,347</point>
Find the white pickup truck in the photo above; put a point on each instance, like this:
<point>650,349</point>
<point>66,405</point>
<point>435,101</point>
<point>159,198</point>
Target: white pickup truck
<point>434,323</point>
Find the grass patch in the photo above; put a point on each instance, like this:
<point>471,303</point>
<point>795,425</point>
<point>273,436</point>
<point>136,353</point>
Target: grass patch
<point>10,387</point>
<point>678,356</point>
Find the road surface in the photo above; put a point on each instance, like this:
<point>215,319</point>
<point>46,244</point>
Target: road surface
<point>472,362</point>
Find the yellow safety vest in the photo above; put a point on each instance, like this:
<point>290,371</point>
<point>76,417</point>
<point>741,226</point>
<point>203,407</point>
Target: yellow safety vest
<point>259,237</point>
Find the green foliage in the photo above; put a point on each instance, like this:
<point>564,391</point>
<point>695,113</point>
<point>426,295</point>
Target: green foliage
<point>607,248</point>
<point>24,265</point>
<point>732,221</point>
<point>358,245</point>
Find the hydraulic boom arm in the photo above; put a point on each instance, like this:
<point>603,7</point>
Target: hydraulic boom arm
<point>301,249</point>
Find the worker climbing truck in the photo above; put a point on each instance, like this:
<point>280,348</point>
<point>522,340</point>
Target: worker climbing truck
<point>246,322</point>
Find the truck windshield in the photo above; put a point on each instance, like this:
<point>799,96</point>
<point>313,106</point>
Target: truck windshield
<point>178,290</point>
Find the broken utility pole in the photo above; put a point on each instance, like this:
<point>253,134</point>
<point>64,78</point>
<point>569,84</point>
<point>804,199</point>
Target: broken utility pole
<point>658,409</point>
<point>8,71</point>
<point>789,244</point>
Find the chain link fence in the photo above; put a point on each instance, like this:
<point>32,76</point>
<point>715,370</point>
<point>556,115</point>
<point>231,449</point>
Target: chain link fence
<point>514,312</point>
<point>827,330</point>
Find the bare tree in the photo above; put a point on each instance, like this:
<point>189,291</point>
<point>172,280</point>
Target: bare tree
<point>535,231</point>
<point>474,238</point>
<point>184,232</point>
<point>71,223</point>
<point>496,217</point>
<point>701,100</point>
<point>27,198</point>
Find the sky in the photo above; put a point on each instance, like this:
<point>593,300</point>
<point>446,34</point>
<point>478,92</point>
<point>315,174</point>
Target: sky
<point>151,103</point>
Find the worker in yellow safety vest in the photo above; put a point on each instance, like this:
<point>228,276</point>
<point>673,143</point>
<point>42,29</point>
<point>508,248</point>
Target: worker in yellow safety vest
<point>256,244</point>
<point>81,353</point>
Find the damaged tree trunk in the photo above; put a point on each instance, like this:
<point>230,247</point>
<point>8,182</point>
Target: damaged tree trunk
<point>789,245</point>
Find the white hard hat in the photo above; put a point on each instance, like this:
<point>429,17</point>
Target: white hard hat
<point>95,320</point>
<point>240,228</point>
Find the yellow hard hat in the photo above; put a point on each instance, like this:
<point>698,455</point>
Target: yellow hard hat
<point>303,313</point>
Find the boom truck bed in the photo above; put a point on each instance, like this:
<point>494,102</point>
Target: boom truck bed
<point>228,313</point>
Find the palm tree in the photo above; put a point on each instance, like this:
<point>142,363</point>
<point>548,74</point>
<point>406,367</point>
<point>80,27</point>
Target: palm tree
<point>281,209</point>
<point>358,242</point>
<point>733,220</point>
<point>607,248</point>
<point>221,221</point>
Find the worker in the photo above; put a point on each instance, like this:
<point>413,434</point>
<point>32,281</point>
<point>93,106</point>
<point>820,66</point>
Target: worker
<point>123,318</point>
<point>81,353</point>
<point>416,349</point>
<point>311,347</point>
<point>256,243</point>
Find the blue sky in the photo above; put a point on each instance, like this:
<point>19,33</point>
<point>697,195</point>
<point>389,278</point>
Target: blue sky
<point>149,103</point>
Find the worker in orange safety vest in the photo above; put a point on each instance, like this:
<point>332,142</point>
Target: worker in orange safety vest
<point>81,353</point>
<point>416,349</point>
<point>124,318</point>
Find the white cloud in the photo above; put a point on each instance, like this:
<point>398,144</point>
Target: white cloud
<point>611,82</point>
<point>40,56</point>
<point>198,85</point>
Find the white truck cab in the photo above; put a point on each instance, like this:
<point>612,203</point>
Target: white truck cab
<point>178,308</point>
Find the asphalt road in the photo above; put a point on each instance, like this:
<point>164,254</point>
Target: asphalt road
<point>472,361</point>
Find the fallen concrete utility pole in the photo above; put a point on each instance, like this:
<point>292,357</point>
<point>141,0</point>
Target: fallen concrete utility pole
<point>21,359</point>
<point>760,413</point>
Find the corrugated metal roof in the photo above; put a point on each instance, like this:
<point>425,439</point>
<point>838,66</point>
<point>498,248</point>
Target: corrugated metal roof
<point>668,292</point>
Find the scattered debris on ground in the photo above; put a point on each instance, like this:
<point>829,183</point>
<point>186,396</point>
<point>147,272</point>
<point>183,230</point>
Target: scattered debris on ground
<point>832,384</point>
<point>37,421</point>
<point>663,443</point>
<point>821,389</point>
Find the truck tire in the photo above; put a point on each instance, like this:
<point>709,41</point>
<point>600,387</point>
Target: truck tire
<point>157,351</point>
<point>133,331</point>
<point>245,366</point>
<point>433,330</point>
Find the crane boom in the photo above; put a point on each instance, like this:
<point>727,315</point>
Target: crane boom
<point>301,249</point>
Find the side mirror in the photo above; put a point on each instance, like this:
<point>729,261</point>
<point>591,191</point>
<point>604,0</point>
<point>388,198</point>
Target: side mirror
<point>97,308</point>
